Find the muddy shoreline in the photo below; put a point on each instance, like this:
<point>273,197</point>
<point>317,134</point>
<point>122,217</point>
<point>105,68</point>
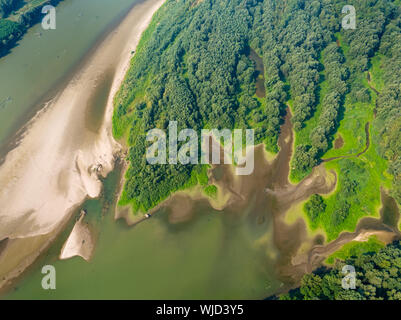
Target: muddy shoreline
<point>38,105</point>
<point>89,166</point>
<point>262,201</point>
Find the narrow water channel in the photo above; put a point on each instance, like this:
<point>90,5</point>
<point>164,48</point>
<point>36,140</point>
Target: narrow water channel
<point>34,70</point>
<point>244,251</point>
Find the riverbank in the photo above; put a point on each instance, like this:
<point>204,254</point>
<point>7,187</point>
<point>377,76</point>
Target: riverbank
<point>18,22</point>
<point>56,176</point>
<point>80,242</point>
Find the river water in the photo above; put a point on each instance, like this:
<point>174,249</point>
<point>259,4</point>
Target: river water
<point>243,251</point>
<point>213,255</point>
<point>43,59</point>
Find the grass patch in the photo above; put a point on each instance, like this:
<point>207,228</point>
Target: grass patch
<point>128,97</point>
<point>377,72</point>
<point>303,136</point>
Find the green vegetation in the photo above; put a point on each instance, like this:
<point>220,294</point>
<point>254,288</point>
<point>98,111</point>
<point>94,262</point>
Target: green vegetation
<point>192,66</point>
<point>388,106</point>
<point>360,175</point>
<point>290,36</point>
<point>357,195</point>
<point>378,277</point>
<point>370,170</point>
<point>314,207</point>
<point>16,16</point>
<point>355,249</point>
<point>344,71</point>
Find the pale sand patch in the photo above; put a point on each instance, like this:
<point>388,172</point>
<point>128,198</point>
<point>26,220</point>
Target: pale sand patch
<point>56,164</point>
<point>19,253</point>
<point>179,213</point>
<point>382,236</point>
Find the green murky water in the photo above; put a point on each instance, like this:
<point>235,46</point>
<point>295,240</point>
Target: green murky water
<point>212,256</point>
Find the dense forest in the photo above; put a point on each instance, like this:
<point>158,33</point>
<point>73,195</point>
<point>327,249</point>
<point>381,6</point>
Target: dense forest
<point>8,6</point>
<point>16,16</point>
<point>193,66</point>
<point>378,277</point>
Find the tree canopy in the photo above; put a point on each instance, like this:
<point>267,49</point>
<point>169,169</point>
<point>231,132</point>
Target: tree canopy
<point>378,277</point>
<point>193,66</point>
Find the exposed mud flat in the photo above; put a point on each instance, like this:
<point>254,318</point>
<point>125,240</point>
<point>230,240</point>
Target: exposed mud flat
<point>261,201</point>
<point>245,249</point>
<point>339,142</point>
<point>17,254</point>
<point>67,148</point>
<point>389,213</point>
<point>260,73</point>
<point>79,243</point>
<point>366,228</point>
<point>258,200</point>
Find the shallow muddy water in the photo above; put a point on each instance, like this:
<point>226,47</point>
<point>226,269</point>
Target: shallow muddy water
<point>242,251</point>
<point>188,249</point>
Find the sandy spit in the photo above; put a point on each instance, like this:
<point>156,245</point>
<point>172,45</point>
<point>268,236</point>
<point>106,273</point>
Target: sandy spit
<point>58,162</point>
